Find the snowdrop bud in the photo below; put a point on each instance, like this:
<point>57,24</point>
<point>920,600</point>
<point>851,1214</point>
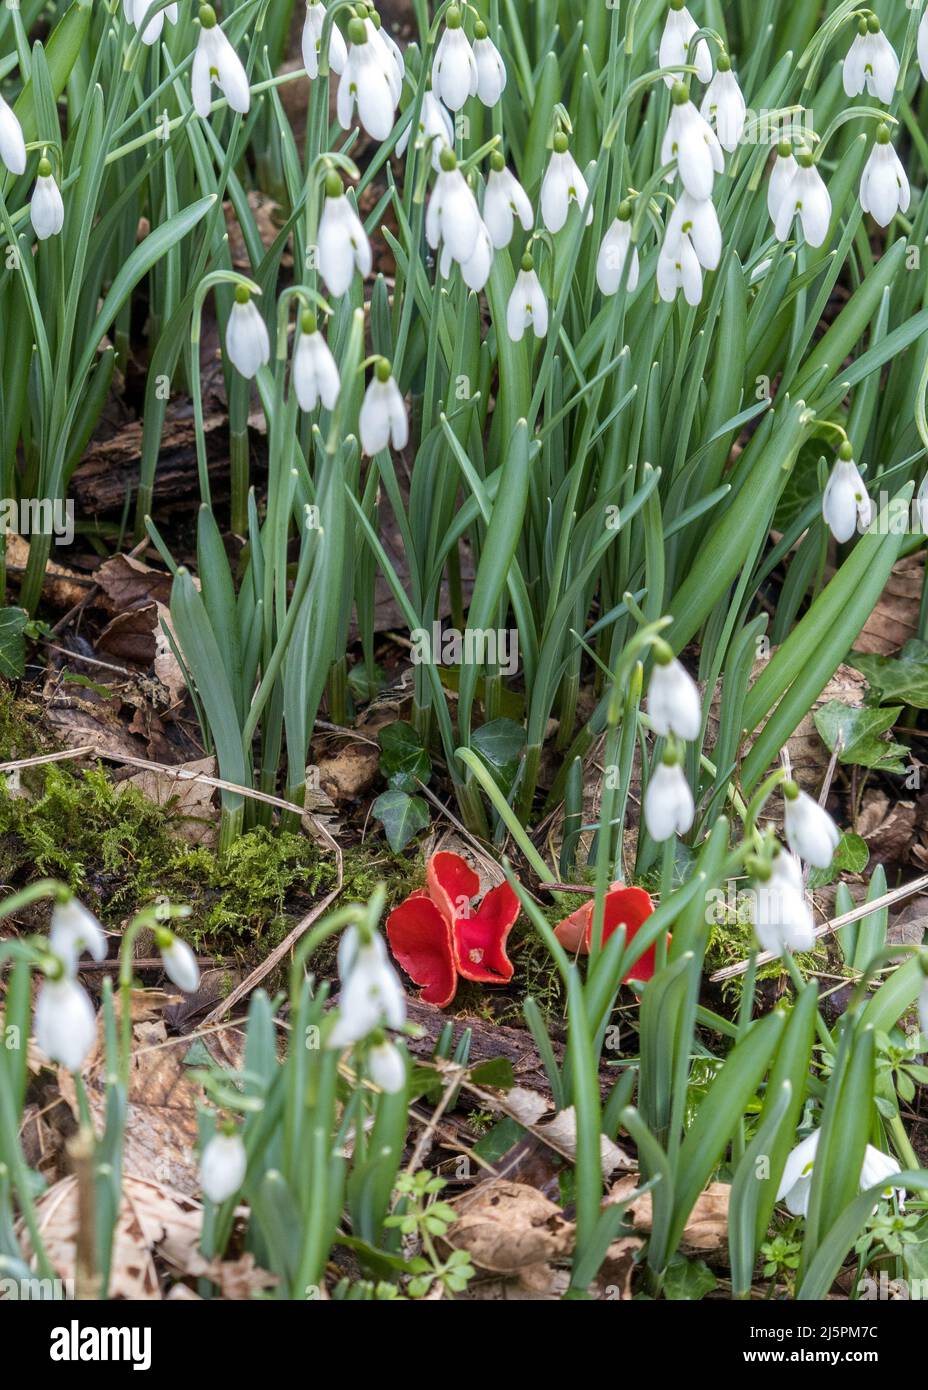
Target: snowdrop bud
<point>312,41</point>
<point>452,218</point>
<point>12,144</point>
<point>723,105</point>
<point>871,62</point>
<point>613,253</point>
<point>884,186</point>
<point>365,83</point>
<point>691,141</point>
<point>180,964</point>
<point>674,705</point>
<point>923,45</point>
<point>679,28</point>
<point>454,67</point>
<point>698,221</point>
<point>315,374</point>
<point>563,183</point>
<point>678,268</point>
<point>46,209</point>
<point>781,916</point>
<point>527,304</point>
<point>215,60</point>
<point>808,199</point>
<point>504,200</point>
<point>811,833</point>
<point>491,70</point>
<point>382,419</point>
<point>846,504</point>
<point>343,243</point>
<point>222,1167</point>
<point>782,175</point>
<point>386,1067</point>
<point>152,31</point>
<point>668,801</point>
<point>247,341</point>
<point>371,995</point>
<point>75,929</point>
<point>923,1008</point>
<point>65,1024</point>
<point>435,130</point>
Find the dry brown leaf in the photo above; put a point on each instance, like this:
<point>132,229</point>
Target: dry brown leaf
<point>167,668</point>
<point>706,1228</point>
<point>130,636</point>
<point>894,620</point>
<point>561,1133</point>
<point>189,802</point>
<point>348,772</point>
<point>61,586</point>
<point>507,1227</point>
<point>129,583</point>
<point>887,826</point>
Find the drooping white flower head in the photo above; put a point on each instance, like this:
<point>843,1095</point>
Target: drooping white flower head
<point>371,994</point>
<point>723,105</point>
<point>386,1067</point>
<point>475,271</point>
<point>796,1182</point>
<point>871,62</point>
<point>781,917</point>
<point>215,60</point>
<point>811,833</point>
<point>491,70</point>
<point>784,171</point>
<point>247,341</point>
<point>74,929</point>
<point>613,254</point>
<point>922,45</point>
<point>382,419</point>
<point>678,268</point>
<point>698,221</point>
<point>180,964</point>
<point>46,209</point>
<point>668,802</point>
<point>808,199</point>
<point>674,706</point>
<point>691,141</point>
<point>365,84</point>
<point>315,373</point>
<point>454,67</point>
<point>135,11</point>
<point>343,244</point>
<point>504,200</point>
<point>389,54</point>
<point>562,184</point>
<point>679,28</point>
<point>435,130</point>
<point>12,143</point>
<point>527,305</point>
<point>65,1025</point>
<point>846,504</point>
<point>884,186</point>
<point>312,41</point>
<point>223,1166</point>
<point>452,219</point>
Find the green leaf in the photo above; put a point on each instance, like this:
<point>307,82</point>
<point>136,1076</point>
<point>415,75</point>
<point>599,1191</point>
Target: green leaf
<point>850,857</point>
<point>403,760</point>
<point>688,1280</point>
<point>496,1072</point>
<point>901,679</point>
<point>500,744</point>
<point>402,817</point>
<point>859,729</point>
<point>12,642</point>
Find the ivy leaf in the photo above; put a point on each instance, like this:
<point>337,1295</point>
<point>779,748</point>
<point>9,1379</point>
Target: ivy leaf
<point>688,1280</point>
<point>902,679</point>
<point>403,760</point>
<point>496,1072</point>
<point>402,817</point>
<point>859,730</point>
<point>851,857</point>
<point>500,744</point>
<point>12,642</point>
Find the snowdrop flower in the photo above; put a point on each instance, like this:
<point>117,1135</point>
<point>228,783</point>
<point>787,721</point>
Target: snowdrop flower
<point>371,993</point>
<point>475,271</point>
<point>923,45</point>
<point>47,208</point>
<point>781,916</point>
<point>343,243</point>
<point>180,964</point>
<point>884,187</point>
<point>679,28</point>
<point>382,419</point>
<point>674,705</point>
<point>527,304</point>
<point>388,52</point>
<point>491,70</point>
<point>453,218</point>
<point>247,341</point>
<point>668,801</point>
<point>699,221</point>
<point>678,268</point>
<point>454,67</point>
<point>386,1067</point>
<point>784,171</point>
<point>217,61</point>
<point>811,833</point>
<point>723,105</point>
<point>12,144</point>
<point>312,41</point>
<point>691,141</point>
<point>505,200</point>
<point>135,11</point>
<point>75,929</point>
<point>435,130</point>
<point>364,83</point>
<point>871,62</point>
<point>808,199</point>
<point>613,253</point>
<point>65,1024</point>
<point>846,504</point>
<point>796,1182</point>
<point>222,1167</point>
<point>562,184</point>
<point>315,374</point>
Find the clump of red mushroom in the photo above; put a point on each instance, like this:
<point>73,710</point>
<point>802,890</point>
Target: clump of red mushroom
<point>628,907</point>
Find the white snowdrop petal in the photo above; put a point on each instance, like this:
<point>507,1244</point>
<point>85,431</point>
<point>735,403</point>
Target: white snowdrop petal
<point>12,142</point>
<point>180,965</point>
<point>223,1166</point>
<point>64,1023</point>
